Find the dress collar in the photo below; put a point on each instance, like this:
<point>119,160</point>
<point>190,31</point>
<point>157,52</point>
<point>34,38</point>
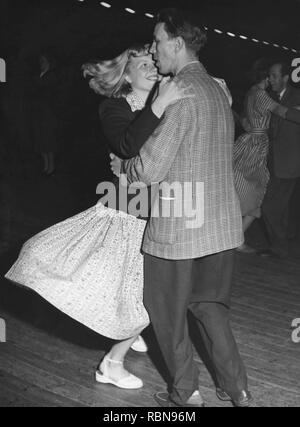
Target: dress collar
<point>135,102</point>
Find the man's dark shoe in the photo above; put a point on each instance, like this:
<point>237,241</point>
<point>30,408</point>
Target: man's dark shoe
<point>163,399</point>
<point>244,400</point>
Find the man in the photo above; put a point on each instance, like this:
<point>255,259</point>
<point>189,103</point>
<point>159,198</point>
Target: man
<point>284,164</point>
<point>189,265</point>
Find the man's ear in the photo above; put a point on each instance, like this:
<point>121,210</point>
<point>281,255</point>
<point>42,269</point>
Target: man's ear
<point>286,79</point>
<point>179,44</point>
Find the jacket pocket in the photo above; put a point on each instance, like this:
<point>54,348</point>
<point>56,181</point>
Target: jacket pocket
<point>162,230</point>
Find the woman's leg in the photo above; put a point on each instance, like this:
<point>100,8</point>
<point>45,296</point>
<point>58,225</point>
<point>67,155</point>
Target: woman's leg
<point>117,354</point>
<point>119,350</point>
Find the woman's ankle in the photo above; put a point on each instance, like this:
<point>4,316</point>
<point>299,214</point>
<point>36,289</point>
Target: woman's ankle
<point>113,368</point>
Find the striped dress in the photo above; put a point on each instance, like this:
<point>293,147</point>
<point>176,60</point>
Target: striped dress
<point>251,152</point>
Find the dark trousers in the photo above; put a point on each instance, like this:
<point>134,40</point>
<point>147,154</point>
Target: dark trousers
<point>202,286</point>
<point>276,212</point>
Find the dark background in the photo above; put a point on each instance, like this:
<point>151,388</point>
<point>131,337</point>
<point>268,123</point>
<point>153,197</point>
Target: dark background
<point>77,31</point>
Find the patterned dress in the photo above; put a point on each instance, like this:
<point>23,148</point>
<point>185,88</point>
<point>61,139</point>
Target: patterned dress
<point>90,266</point>
<point>251,151</point>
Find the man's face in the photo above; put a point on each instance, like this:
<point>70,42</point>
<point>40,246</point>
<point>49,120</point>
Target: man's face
<point>277,80</point>
<point>163,50</point>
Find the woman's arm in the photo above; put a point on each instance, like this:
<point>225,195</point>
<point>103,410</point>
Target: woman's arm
<point>168,93</point>
<point>291,114</point>
<point>124,135</point>
<point>265,103</point>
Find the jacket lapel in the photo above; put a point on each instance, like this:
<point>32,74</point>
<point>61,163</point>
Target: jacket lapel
<point>285,96</point>
<point>279,121</point>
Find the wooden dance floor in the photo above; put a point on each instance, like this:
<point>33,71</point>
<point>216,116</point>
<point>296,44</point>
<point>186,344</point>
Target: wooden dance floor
<point>49,360</point>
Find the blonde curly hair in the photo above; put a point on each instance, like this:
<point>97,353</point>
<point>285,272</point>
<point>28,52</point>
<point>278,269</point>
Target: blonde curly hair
<point>108,78</point>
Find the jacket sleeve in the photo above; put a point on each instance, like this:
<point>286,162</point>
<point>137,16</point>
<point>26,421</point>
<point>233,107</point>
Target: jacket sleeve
<point>124,134</point>
<point>293,115</point>
<point>156,157</point>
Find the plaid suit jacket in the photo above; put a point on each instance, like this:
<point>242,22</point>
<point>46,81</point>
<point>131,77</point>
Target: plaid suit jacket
<point>192,147</point>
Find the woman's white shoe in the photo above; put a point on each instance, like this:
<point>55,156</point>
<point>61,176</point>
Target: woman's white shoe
<point>139,345</point>
<point>130,382</point>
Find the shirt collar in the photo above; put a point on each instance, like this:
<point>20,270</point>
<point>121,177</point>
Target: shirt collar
<point>281,95</point>
<point>135,102</point>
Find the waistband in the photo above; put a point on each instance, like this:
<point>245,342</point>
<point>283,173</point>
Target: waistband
<point>259,131</point>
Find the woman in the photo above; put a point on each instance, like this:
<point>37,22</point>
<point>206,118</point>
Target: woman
<point>251,149</point>
<point>90,266</point>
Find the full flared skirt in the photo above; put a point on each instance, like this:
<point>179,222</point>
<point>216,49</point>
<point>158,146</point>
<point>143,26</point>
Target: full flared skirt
<point>91,268</point>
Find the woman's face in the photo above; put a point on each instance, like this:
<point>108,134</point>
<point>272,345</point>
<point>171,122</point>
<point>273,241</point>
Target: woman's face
<point>142,74</point>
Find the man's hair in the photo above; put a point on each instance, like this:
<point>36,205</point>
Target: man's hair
<point>260,70</point>
<point>286,68</point>
<point>182,24</point>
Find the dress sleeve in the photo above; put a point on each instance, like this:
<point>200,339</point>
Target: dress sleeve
<point>293,115</point>
<point>125,133</point>
<point>264,103</point>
